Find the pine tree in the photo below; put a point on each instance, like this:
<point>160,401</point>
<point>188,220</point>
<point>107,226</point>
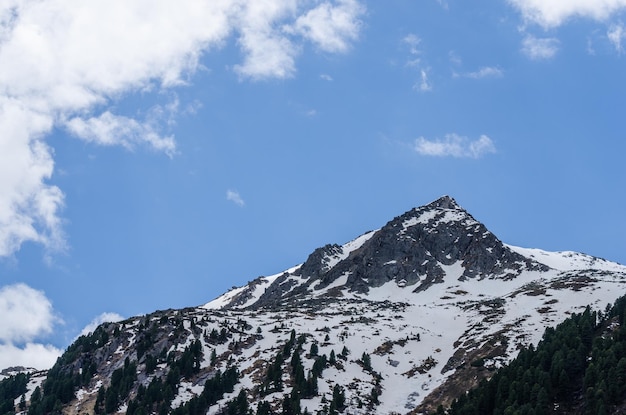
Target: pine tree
<point>332,359</point>
<point>367,361</point>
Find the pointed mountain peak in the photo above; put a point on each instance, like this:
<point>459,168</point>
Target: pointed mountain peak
<point>442,211</point>
<point>444,202</point>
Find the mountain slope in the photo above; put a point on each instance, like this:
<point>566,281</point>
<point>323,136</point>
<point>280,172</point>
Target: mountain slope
<point>577,368</point>
<point>399,320</point>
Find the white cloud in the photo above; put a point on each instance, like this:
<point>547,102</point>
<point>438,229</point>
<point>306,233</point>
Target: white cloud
<point>326,77</point>
<point>31,355</point>
<point>234,197</point>
<point>615,34</point>
<point>267,36</point>
<point>455,59</point>
<point>423,85</point>
<point>413,41</point>
<point>27,314</point>
<point>455,145</point>
<point>553,13</point>
<point>486,72</point>
<point>29,207</point>
<point>102,318</point>
<point>109,129</point>
<point>331,28</point>
<point>65,62</point>
<point>539,48</point>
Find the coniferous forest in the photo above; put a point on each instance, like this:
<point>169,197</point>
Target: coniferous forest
<point>579,367</point>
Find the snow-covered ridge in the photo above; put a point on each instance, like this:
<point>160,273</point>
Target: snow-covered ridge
<point>346,249</point>
<point>568,260</point>
<point>254,292</point>
<point>255,289</point>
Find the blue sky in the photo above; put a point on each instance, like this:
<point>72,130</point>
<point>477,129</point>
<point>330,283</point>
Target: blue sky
<point>153,154</point>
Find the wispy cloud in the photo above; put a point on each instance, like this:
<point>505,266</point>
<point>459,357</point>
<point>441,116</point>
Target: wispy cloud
<point>326,77</point>
<point>615,34</point>
<point>424,84</point>
<point>66,64</point>
<point>109,129</point>
<point>484,72</point>
<point>553,13</point>
<point>27,314</point>
<point>414,61</point>
<point>235,197</point>
<point>539,48</point>
<point>412,41</point>
<point>454,145</point>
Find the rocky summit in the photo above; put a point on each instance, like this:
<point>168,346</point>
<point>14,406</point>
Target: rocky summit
<point>399,320</point>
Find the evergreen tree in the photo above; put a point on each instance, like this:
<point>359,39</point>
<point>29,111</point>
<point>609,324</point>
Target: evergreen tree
<point>314,349</point>
<point>366,360</point>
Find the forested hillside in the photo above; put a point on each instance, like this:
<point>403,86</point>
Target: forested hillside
<point>579,367</point>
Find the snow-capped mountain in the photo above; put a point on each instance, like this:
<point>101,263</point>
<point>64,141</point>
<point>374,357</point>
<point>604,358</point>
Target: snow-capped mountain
<point>406,317</point>
<point>412,251</point>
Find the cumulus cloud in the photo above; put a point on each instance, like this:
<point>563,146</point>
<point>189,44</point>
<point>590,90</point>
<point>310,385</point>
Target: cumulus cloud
<point>454,145</point>
<point>553,13</point>
<point>539,48</point>
<point>27,315</point>
<point>65,62</point>
<point>102,318</point>
<point>32,355</point>
<point>331,27</point>
<point>235,197</point>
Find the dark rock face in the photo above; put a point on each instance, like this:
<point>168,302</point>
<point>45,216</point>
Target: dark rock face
<point>412,249</point>
<point>317,263</point>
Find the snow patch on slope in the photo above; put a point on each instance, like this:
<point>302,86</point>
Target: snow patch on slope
<point>568,260</point>
<point>258,290</point>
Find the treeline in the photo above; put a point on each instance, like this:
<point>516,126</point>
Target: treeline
<point>579,367</point>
